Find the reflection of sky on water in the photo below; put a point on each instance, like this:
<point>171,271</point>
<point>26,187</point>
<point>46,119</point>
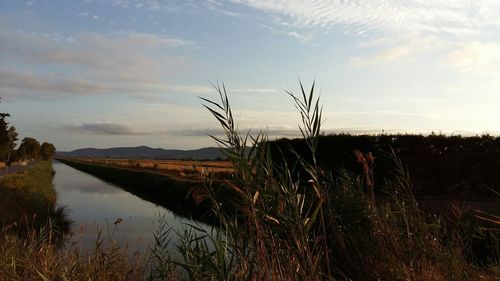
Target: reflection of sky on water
<point>93,203</point>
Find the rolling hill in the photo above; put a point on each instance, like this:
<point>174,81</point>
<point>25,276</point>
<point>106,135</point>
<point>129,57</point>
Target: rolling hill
<point>145,152</point>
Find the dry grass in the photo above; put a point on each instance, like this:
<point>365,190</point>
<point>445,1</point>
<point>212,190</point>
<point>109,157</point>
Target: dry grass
<point>26,193</point>
<point>36,257</point>
<point>189,169</point>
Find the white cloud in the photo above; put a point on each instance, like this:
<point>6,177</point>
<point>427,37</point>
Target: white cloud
<point>301,37</point>
<point>472,58</point>
<point>155,5</point>
<point>385,57</point>
<point>91,63</point>
<point>395,49</point>
<point>104,128</point>
<point>43,86</point>
<point>386,15</point>
<point>219,7</point>
<point>477,58</point>
<point>270,131</point>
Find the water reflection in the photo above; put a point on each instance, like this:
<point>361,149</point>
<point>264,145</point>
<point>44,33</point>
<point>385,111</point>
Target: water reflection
<point>93,203</point>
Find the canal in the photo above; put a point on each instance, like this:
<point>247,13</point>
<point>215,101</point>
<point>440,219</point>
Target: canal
<point>93,205</point>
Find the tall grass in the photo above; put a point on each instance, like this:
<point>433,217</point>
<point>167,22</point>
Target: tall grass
<point>36,257</point>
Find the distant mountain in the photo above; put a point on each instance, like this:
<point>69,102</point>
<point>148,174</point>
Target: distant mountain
<point>145,152</point>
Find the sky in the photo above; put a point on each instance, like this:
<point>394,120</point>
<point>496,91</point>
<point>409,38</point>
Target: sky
<point>108,73</point>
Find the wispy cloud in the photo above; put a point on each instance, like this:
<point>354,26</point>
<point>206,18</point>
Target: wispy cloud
<point>387,56</point>
<point>271,131</point>
<point>170,6</point>
<point>304,38</point>
<point>47,86</point>
<point>396,49</point>
<point>360,17</point>
<point>91,50</point>
<point>91,63</point>
<point>104,128</point>
<point>219,7</point>
<point>135,64</point>
<point>394,113</point>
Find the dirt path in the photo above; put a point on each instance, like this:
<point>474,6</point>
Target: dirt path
<point>14,169</point>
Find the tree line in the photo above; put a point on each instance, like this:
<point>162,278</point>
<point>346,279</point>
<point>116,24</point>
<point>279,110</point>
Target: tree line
<point>29,149</point>
<point>439,165</point>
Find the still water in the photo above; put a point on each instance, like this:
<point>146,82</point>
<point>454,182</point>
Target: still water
<point>93,203</point>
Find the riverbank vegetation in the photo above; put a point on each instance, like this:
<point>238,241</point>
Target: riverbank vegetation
<point>28,195</point>
<point>298,221</point>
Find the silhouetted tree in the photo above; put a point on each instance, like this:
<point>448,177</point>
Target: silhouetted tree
<point>30,148</point>
<point>11,145</point>
<point>8,137</point>
<point>47,150</point>
<point>4,137</point>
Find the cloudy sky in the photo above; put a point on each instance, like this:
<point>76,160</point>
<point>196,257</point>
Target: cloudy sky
<point>104,73</point>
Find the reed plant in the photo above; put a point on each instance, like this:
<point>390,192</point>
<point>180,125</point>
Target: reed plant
<point>36,257</point>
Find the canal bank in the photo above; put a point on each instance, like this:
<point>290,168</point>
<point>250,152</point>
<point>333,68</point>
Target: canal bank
<point>28,196</point>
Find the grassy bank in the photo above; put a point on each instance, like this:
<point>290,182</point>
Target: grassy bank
<point>28,194</point>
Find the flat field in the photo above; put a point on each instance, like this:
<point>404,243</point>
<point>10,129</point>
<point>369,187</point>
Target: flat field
<point>185,169</point>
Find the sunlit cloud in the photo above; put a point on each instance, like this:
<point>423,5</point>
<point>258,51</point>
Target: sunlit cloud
<point>219,132</point>
<point>133,64</point>
<point>359,17</point>
<point>48,86</point>
<point>128,55</point>
<point>154,5</point>
<point>396,49</point>
<point>477,59</point>
<point>91,63</point>
<point>301,37</point>
<point>104,128</point>
<point>387,56</point>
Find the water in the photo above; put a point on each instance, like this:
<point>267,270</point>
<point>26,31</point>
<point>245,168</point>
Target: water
<point>93,203</point>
